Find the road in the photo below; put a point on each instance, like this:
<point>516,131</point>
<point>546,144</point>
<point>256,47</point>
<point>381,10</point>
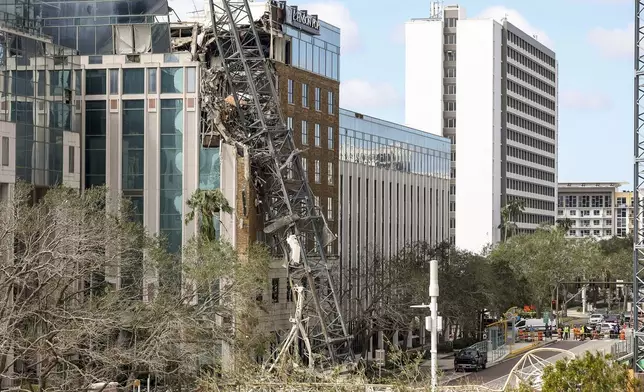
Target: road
<point>503,369</point>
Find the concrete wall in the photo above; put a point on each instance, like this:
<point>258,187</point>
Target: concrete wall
<point>478,166</point>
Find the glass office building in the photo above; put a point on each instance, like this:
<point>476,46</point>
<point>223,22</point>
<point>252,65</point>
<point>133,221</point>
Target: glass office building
<point>319,54</point>
<point>40,81</point>
<point>374,142</point>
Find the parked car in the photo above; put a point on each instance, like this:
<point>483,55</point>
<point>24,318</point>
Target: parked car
<point>613,318</point>
<point>595,319</point>
<point>470,359</point>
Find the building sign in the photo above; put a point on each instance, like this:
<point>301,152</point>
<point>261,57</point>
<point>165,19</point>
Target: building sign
<point>298,18</point>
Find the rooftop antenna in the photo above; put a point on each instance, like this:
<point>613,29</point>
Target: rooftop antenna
<point>436,10</point>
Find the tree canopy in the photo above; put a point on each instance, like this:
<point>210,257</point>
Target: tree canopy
<point>89,296</point>
<point>589,373</point>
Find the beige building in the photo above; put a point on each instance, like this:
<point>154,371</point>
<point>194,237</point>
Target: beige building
<point>595,209</point>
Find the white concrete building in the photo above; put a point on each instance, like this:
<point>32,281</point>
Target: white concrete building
<point>595,209</point>
<point>491,89</point>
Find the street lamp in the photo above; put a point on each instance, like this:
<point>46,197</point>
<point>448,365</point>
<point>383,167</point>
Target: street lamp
<point>433,322</point>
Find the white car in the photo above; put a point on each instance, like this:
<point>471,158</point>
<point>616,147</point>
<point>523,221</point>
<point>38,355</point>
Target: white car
<point>595,319</point>
<point>606,327</point>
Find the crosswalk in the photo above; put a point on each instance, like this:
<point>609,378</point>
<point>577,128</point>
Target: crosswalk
<point>535,365</point>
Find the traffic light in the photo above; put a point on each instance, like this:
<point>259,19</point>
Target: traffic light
<point>554,304</point>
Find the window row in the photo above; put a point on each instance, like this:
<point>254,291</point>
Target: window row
<point>528,171</point>
<point>534,203</point>
<point>594,222</point>
<point>531,95</point>
<point>317,133</point>
<point>531,126</point>
<point>533,65</point>
<point>140,81</point>
<point>520,42</point>
<point>529,187</point>
<point>531,111</point>
<point>595,233</point>
<point>314,58</point>
<point>530,141</point>
<point>535,219</point>
<point>317,97</point>
<point>449,88</point>
<point>621,201</point>
<point>531,80</point>
<point>317,171</point>
<point>530,157</point>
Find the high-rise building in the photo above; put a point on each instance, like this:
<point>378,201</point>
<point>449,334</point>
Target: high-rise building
<point>492,89</point>
<point>394,191</point>
<point>595,209</point>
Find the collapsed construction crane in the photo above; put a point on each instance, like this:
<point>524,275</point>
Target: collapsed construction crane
<point>245,103</point>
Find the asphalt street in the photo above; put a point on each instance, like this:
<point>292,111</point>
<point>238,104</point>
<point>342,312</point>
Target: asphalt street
<point>502,369</point>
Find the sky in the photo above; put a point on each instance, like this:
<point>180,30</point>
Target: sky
<point>593,41</point>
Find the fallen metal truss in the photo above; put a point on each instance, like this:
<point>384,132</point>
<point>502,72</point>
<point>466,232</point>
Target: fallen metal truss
<point>638,183</point>
<point>249,114</point>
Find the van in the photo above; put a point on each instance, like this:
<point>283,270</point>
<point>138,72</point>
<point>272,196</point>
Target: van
<point>527,324</point>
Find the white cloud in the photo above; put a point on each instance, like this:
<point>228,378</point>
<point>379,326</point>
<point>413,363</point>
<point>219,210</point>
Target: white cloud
<point>362,95</point>
<point>513,16</point>
<point>584,100</point>
<point>338,15</point>
<point>616,43</point>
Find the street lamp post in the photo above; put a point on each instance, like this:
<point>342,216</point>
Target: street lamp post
<point>433,296</point>
<point>433,308</point>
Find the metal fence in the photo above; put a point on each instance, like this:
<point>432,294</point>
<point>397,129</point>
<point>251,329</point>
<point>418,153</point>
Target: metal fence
<point>621,348</point>
<point>493,354</point>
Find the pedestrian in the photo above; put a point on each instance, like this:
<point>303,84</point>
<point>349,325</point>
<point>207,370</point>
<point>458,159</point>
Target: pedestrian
<point>566,332</point>
<point>560,333</point>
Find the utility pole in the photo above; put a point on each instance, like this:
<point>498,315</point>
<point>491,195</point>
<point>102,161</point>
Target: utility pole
<point>433,296</point>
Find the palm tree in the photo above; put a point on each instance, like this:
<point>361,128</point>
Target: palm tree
<point>206,203</point>
<point>509,213</point>
<point>564,224</point>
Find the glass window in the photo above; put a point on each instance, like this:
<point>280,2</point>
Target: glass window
<point>305,95</point>
<point>42,83</point>
<point>5,151</point>
<point>172,80</point>
<point>317,98</point>
<point>133,81</point>
<point>95,82</point>
<point>71,160</point>
<point>317,135</point>
<point>330,173</point>
<point>329,208</point>
<point>191,80</point>
<point>152,80</point>
<point>317,172</point>
<point>133,126</point>
<point>289,123</point>
<point>114,81</point>
<point>95,133</point>
<point>305,132</point>
<point>330,137</point>
<point>60,81</point>
<point>329,101</point>
<point>290,91</point>
<point>23,83</point>
<point>171,185</point>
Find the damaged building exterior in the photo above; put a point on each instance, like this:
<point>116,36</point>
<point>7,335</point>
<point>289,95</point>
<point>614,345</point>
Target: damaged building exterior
<point>493,90</point>
<point>39,123</point>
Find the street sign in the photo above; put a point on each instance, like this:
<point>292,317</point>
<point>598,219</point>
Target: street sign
<point>546,317</point>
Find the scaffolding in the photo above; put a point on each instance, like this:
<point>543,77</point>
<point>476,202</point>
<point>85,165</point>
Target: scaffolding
<point>638,184</point>
<point>244,110</point>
